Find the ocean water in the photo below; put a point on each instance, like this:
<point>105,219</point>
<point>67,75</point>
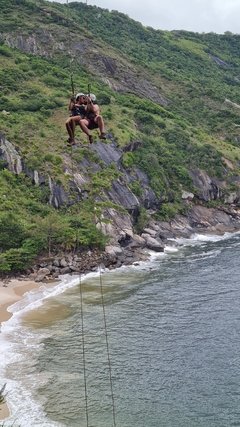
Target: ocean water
<point>173,327</point>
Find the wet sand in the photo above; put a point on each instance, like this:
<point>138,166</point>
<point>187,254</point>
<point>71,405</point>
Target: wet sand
<point>9,294</point>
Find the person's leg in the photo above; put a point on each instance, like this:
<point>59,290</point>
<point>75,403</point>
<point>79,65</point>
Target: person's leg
<point>84,126</point>
<point>70,129</point>
<point>100,123</point>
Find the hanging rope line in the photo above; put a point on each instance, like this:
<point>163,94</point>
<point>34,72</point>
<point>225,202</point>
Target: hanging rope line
<point>68,41</point>
<point>80,279</point>
<point>89,89</point>
<point>83,350</point>
<point>100,273</point>
<point>107,347</point>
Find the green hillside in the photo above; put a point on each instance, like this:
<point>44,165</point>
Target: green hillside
<point>176,93</point>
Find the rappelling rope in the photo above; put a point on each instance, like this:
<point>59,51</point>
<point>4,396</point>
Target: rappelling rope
<point>100,274</point>
<point>68,43</point>
<point>107,347</point>
<point>83,351</point>
<point>80,279</point>
<point>71,74</point>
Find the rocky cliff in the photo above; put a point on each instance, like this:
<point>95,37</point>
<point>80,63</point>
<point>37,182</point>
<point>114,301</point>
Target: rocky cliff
<point>118,221</point>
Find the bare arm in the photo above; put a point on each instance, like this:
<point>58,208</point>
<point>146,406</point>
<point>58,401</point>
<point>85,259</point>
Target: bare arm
<point>71,103</point>
<point>92,108</point>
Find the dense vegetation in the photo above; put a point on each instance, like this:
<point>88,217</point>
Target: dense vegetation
<point>197,128</point>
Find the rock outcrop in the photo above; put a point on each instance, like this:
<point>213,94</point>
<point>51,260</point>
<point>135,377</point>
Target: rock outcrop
<point>208,188</point>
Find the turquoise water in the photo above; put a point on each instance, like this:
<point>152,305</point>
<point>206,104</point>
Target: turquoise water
<point>173,328</point>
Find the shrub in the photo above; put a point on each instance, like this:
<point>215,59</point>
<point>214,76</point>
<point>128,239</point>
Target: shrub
<point>136,188</point>
<point>169,210</point>
<point>12,232</point>
<point>141,221</point>
<point>128,159</point>
<point>5,51</point>
<point>103,99</point>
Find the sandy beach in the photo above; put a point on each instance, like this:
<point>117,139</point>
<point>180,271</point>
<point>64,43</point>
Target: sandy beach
<point>10,293</point>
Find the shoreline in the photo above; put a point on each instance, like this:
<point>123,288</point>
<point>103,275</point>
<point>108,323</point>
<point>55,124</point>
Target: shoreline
<point>15,289</point>
<point>10,293</point>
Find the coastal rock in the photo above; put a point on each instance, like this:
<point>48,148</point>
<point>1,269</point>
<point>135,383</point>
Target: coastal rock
<point>154,226</point>
<point>113,250</point>
<point>152,243</point>
<point>200,216</point>
<point>42,274</point>
<point>66,270</point>
<point>137,242</point>
<point>151,232</point>
<point>116,225</point>
<point>56,262</point>
<point>63,263</point>
<point>181,226</point>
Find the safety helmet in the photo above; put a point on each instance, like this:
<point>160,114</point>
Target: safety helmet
<point>79,94</point>
<point>93,97</point>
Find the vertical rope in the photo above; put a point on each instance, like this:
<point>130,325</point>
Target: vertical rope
<point>87,16</point>
<point>72,163</point>
<point>107,347</point>
<point>80,286</point>
<point>71,76</point>
<point>68,40</point>
<point>83,351</point>
<point>80,280</point>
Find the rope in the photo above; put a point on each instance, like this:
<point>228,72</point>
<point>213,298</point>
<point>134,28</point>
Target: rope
<point>107,347</point>
<point>71,155</point>
<point>71,75</point>
<point>83,352</point>
<point>68,40</point>
<point>80,280</point>
<point>89,89</point>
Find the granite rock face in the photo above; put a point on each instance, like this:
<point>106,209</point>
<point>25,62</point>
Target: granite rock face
<point>208,188</point>
<point>10,156</point>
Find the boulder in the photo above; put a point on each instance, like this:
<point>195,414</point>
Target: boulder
<point>42,274</point>
<point>150,231</point>
<point>153,244</point>
<point>113,250</point>
<point>63,263</point>
<point>186,195</point>
<point>137,242</point>
<point>65,270</point>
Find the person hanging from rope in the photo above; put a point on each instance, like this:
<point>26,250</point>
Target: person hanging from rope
<point>92,119</point>
<point>77,108</point>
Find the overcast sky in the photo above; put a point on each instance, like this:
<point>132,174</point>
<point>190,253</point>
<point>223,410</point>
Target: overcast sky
<point>193,15</point>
